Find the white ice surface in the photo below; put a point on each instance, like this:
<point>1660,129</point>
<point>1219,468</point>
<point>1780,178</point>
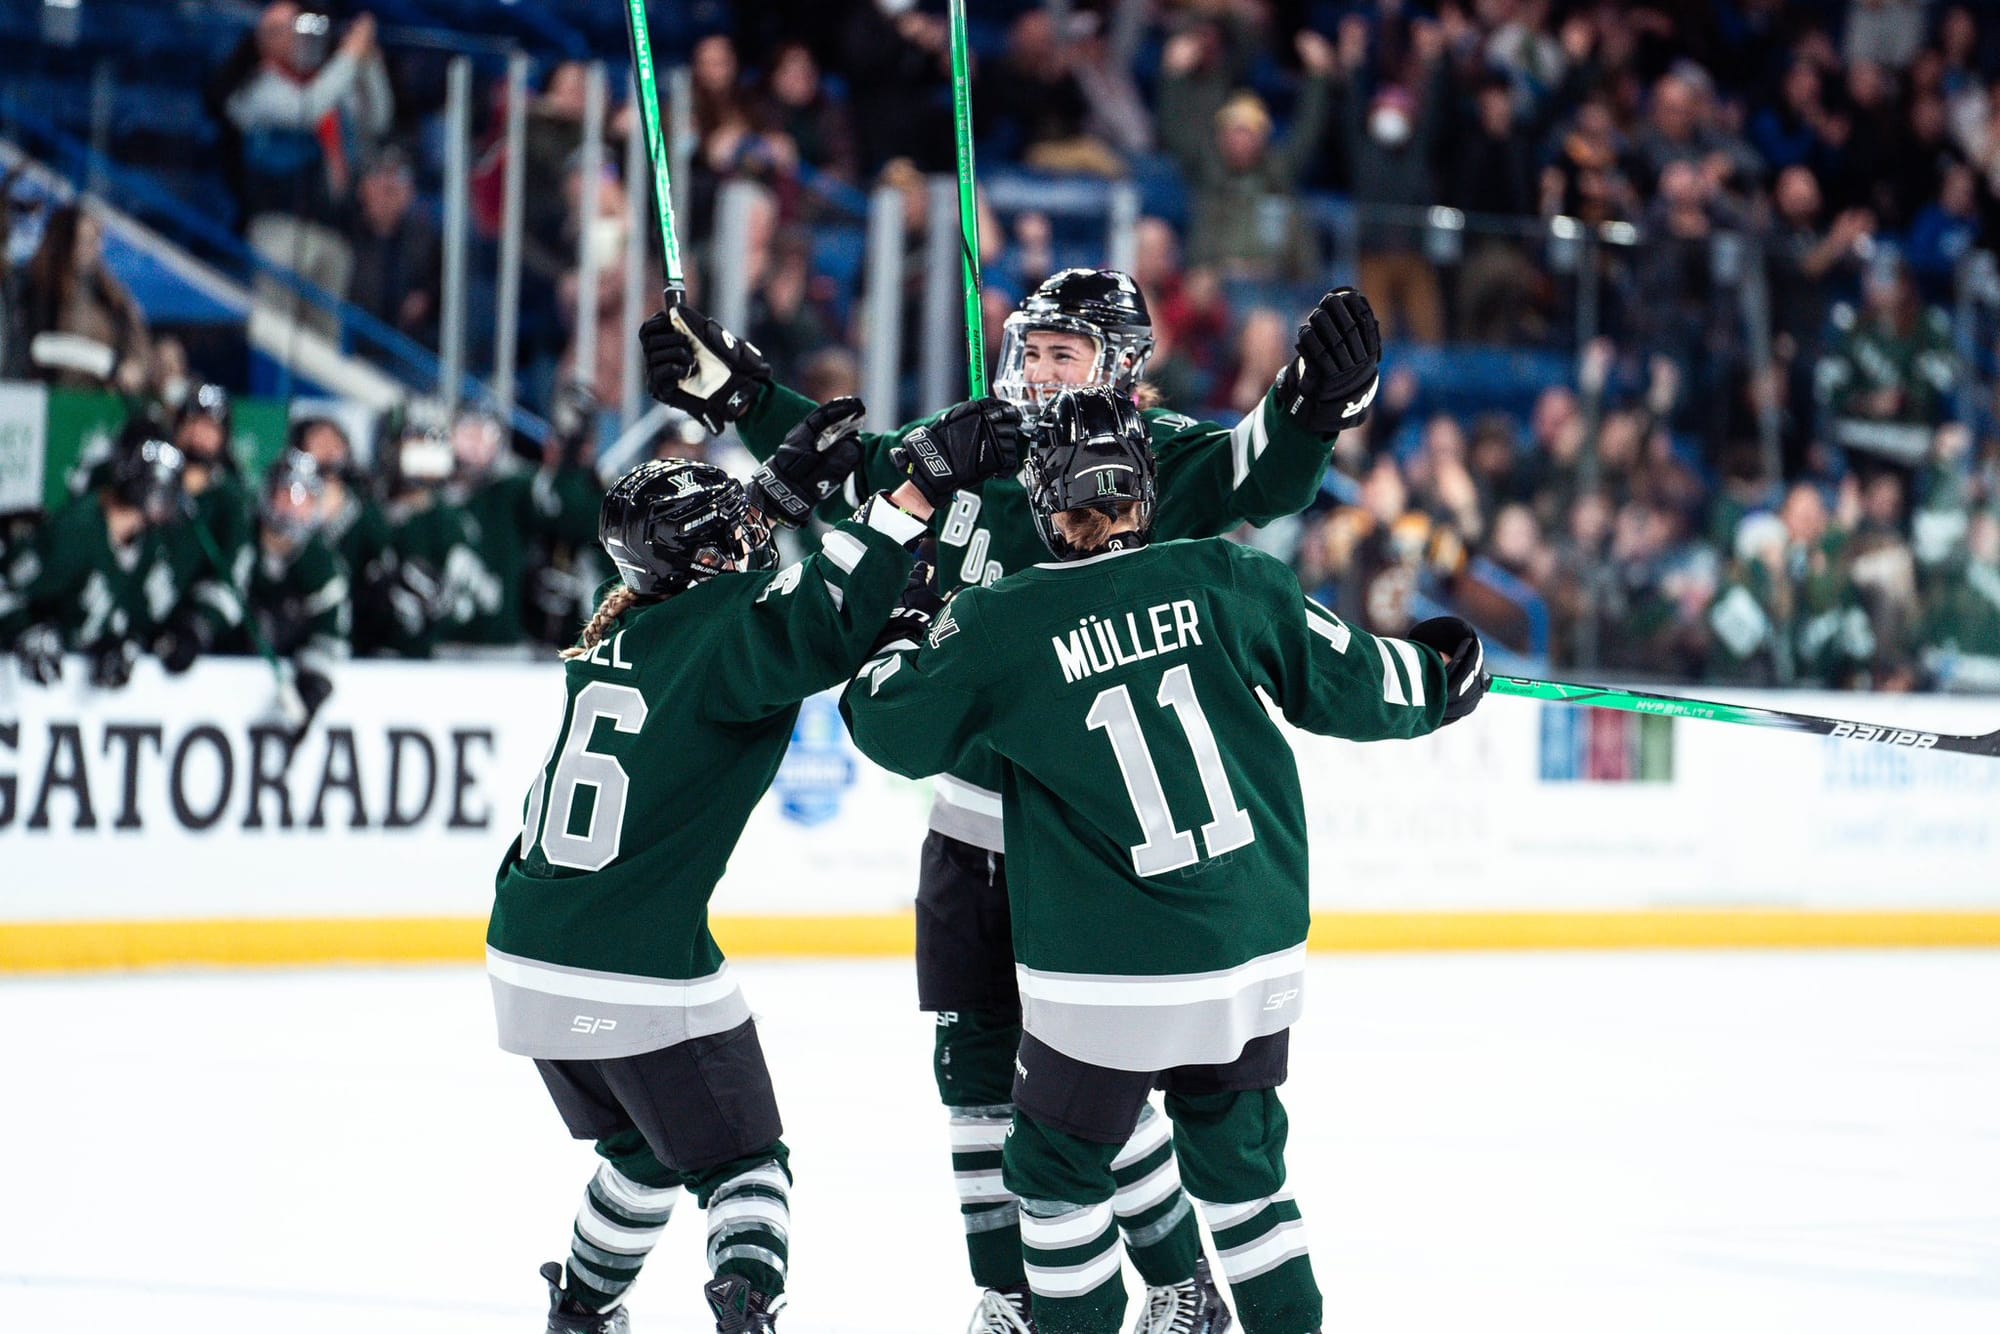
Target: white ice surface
<point>1549,1143</point>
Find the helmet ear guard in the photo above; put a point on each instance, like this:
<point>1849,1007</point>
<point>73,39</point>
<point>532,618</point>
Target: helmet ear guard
<point>1091,452</point>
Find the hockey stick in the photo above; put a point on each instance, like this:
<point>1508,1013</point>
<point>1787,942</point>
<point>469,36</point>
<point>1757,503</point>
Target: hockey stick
<point>968,206</point>
<point>710,374</point>
<point>1670,706</point>
<point>640,36</point>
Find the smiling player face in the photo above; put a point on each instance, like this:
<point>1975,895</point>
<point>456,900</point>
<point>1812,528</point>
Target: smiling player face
<point>1054,358</point>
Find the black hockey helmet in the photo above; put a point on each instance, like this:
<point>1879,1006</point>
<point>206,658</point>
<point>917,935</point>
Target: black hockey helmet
<point>207,402</point>
<point>1091,451</point>
<point>669,524</point>
<point>150,475</point>
<point>293,491</point>
<point>1102,305</point>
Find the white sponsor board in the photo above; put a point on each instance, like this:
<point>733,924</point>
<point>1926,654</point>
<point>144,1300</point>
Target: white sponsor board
<point>24,426</point>
<point>173,798</point>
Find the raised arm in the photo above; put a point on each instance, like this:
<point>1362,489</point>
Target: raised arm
<point>1270,464</point>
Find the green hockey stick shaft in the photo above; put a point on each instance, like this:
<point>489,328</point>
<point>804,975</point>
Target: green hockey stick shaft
<point>640,36</point>
<point>1673,706</point>
<point>968,205</point>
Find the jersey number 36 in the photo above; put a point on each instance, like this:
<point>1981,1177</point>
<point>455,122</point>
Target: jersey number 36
<point>577,766</point>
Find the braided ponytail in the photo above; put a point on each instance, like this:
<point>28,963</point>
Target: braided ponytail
<point>615,604</point>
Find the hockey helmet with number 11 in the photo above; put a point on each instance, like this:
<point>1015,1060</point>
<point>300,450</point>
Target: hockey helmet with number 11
<point>1091,452</point>
<point>670,524</point>
<point>1101,305</point>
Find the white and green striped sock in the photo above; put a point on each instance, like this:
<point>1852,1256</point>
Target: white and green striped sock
<point>616,1228</point>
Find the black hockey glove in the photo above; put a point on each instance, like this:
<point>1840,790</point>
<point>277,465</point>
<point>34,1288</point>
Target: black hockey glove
<point>818,455</point>
<point>1330,383</point>
<point>1465,675</point>
<point>696,365</point>
<point>971,442</point>
<point>111,660</point>
<point>39,651</point>
<point>919,605</point>
<point>185,637</point>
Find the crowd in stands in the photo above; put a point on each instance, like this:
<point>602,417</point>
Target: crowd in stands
<point>1805,491</point>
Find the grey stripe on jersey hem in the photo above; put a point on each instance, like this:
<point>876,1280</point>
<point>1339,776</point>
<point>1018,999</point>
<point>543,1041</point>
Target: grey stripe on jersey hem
<point>994,1219</point>
<point>547,1026</point>
<point>999,1111</point>
<point>1161,1037</point>
<point>1157,1231</point>
<point>974,827</point>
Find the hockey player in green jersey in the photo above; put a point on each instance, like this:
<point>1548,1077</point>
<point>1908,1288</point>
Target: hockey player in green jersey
<point>213,551</point>
<point>1157,864</point>
<point>681,698</point>
<point>298,595</point>
<point>97,579</point>
<point>504,509</point>
<point>1081,327</point>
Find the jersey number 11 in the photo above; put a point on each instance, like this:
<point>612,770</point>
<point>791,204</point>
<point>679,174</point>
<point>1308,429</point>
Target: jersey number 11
<point>1168,848</point>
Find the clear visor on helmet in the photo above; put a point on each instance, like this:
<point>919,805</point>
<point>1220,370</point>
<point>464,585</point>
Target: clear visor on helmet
<point>1042,355</point>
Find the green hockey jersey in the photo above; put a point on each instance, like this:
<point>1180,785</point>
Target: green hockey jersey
<point>74,578</point>
<point>214,552</point>
<point>673,727</point>
<point>1211,479</point>
<point>436,535</point>
<point>1157,871</point>
<point>299,603</point>
<point>501,515</point>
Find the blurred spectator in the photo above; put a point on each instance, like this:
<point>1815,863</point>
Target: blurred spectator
<point>306,118</point>
<point>396,270</point>
<point>1892,366</point>
<point>1379,555</point>
<point>1246,221</point>
<point>1960,638</point>
<point>1262,348</point>
<point>1806,262</point>
<point>1034,97</point>
<point>1493,171</point>
<point>1800,130</point>
<point>1689,270</point>
<point>1885,32</point>
<point>796,105</point>
<point>1944,233</point>
<point>1585,181</point>
<point>1102,64</point>
<point>785,323</point>
<point>897,60</point>
<point>1390,126</point>
<point>83,328</point>
<point>831,373</point>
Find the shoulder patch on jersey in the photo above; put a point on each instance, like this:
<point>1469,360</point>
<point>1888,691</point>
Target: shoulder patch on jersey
<point>1173,421</point>
<point>943,628</point>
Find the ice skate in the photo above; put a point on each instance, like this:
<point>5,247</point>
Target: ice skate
<point>1003,1311</point>
<point>1193,1307</point>
<point>740,1308</point>
<point>567,1317</point>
